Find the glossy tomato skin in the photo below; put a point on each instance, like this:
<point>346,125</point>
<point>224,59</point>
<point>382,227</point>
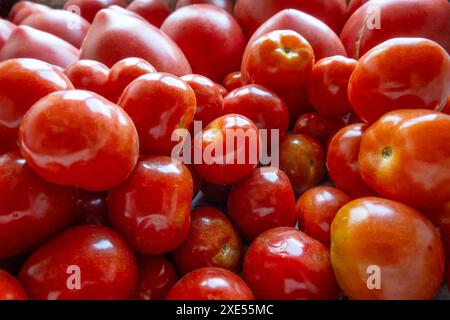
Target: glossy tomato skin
<point>154,11</point>
<point>318,126</point>
<point>302,158</point>
<point>157,276</point>
<point>328,83</point>
<point>10,288</point>
<point>262,201</point>
<point>68,137</point>
<point>233,81</point>
<point>342,161</point>
<point>420,69</point>
<point>227,5</point>
<point>316,210</point>
<point>405,156</point>
<point>282,258</point>
<point>210,38</point>
<point>23,9</point>
<point>89,8</point>
<point>154,99</point>
<point>92,208</point>
<point>6,29</point>
<point>440,216</point>
<point>159,192</point>
<point>201,285</point>
<point>446,108</point>
<point>399,242</point>
<point>223,161</point>
<point>88,75</point>
<point>212,241</point>
<point>17,76</point>
<point>106,265</point>
<point>354,5</point>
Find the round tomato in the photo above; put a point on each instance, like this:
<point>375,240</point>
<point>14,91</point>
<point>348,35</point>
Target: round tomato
<point>10,288</point>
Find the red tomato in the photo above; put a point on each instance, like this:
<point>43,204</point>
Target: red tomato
<point>342,161</point>
<point>212,241</point>
<point>316,210</point>
<point>154,11</point>
<point>447,107</point>
<point>302,158</point>
<point>196,179</point>
<point>10,288</point>
<point>6,28</point>
<point>92,208</point>
<point>156,277</point>
<point>89,8</point>
<point>222,89</point>
<point>229,149</point>
<point>159,193</point>
<point>27,42</point>
<point>318,126</point>
<point>328,83</point>
<point>354,5</point>
<point>126,12</point>
<point>210,38</point>
<point>233,81</point>
<point>440,216</point>
<point>397,18</point>
<point>114,36</point>
<point>78,138</point>
<point>210,284</point>
<point>286,264</point>
<point>400,73</point>
<point>377,238</point>
<point>102,260</point>
<point>227,5</point>
<point>88,75</point>
<point>155,99</point>
<point>23,9</point>
<point>405,156</point>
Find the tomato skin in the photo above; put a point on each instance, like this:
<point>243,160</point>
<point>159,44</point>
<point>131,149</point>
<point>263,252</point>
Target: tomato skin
<point>318,126</point>
<point>148,195</point>
<point>210,38</point>
<point>405,156</point>
<point>212,241</point>
<point>6,29</point>
<point>199,285</point>
<point>262,201</point>
<point>355,5</point>
<point>233,81</point>
<point>108,266</point>
<point>392,236</point>
<point>88,75</point>
<point>281,258</point>
<point>23,9</point>
<point>446,108</point>
<point>10,288</point>
<point>342,161</point>
<point>89,8</point>
<point>156,278</point>
<point>440,216</point>
<point>227,5</point>
<point>154,11</point>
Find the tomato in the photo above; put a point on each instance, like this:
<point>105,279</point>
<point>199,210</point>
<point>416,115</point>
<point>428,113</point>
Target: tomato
<point>156,277</point>
<point>210,38</point>
<point>210,284</point>
<point>88,75</point>
<point>400,73</point>
<point>381,20</point>
<point>216,194</point>
<point>159,192</point>
<point>233,81</point>
<point>10,288</point>
<point>342,161</point>
<point>354,5</point>
<point>27,42</point>
<point>227,5</point>
<point>23,9</point>
<point>251,14</point>
<point>102,260</point>
<point>302,158</point>
<point>281,61</point>
<point>89,8</point>
<point>222,89</point>
<point>212,241</point>
<point>114,36</point>
<point>228,149</point>
<point>69,136</point>
<point>92,208</point>
<point>262,201</point>
<point>328,83</point>
<point>318,126</point>
<point>446,108</point>
<point>440,216</point>
<point>382,249</point>
<point>17,76</point>
<point>155,99</point>
<point>405,156</point>
<point>316,210</point>
<point>6,29</point>
<point>286,264</point>
<point>154,11</point>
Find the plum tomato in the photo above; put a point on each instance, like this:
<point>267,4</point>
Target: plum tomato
<point>92,208</point>
<point>405,156</point>
<point>382,249</point>
<point>401,73</point>
<point>10,287</point>
<point>261,201</point>
<point>316,210</point>
<point>89,8</point>
<point>158,104</point>
<point>318,126</point>
<point>156,278</point>
<point>232,81</point>
<point>302,158</point>
<point>88,75</point>
<point>227,5</point>
<point>154,11</point>
<point>286,264</point>
<point>23,9</point>
<point>83,263</point>
<point>328,84</point>
<point>211,284</point>
<point>212,241</point>
<point>152,207</point>
<point>68,137</point>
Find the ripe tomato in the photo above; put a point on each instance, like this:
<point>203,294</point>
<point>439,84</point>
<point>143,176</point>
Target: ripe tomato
<point>233,81</point>
<point>354,5</point>
<point>23,9</point>
<point>154,11</point>
<point>440,216</point>
<point>6,29</point>
<point>88,75</point>
<point>318,126</point>
<point>382,249</point>
<point>10,288</point>
<point>227,5</point>
<point>89,8</point>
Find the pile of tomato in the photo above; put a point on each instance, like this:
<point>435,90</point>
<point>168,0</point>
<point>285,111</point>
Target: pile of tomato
<point>355,201</point>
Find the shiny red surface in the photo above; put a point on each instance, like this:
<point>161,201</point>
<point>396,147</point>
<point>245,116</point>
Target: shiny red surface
<point>22,9</point>
<point>6,29</point>
<point>10,288</point>
<point>227,5</point>
<point>88,75</point>
<point>89,8</point>
<point>154,11</point>
<point>318,126</point>
<point>233,81</point>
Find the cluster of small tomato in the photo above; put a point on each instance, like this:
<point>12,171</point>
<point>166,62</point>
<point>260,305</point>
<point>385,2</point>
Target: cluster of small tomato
<point>92,205</point>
